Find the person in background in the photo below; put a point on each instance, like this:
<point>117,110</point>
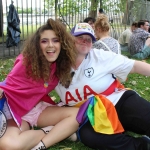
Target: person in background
<point>46,58</point>
<point>112,109</point>
<point>100,11</point>
<point>105,42</point>
<point>139,43</point>
<point>125,36</point>
<point>90,21</point>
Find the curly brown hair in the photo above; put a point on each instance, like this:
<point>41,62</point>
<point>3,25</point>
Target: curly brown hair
<point>102,23</point>
<point>37,66</point>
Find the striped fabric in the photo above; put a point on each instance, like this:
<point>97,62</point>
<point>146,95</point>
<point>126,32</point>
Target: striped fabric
<point>102,115</point>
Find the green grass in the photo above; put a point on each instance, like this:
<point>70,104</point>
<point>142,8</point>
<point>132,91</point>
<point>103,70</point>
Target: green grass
<point>136,82</point>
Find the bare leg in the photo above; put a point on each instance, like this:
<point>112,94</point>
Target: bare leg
<point>64,119</point>
<point>14,139</point>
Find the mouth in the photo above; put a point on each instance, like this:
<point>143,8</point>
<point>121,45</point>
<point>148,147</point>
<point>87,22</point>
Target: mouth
<point>50,51</point>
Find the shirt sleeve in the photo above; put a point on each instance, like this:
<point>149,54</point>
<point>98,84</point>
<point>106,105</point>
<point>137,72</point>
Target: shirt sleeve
<point>116,64</point>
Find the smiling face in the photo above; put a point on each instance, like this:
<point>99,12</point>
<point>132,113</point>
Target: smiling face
<point>50,45</point>
<point>83,44</point>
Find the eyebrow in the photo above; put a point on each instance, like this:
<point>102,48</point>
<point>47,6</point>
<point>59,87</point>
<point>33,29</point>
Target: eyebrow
<point>48,38</point>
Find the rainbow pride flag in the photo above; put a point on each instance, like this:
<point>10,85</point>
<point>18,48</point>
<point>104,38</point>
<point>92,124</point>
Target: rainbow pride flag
<point>102,115</point>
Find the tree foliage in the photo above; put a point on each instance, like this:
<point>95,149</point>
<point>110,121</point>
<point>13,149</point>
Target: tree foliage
<point>78,6</point>
<point>67,7</point>
<point>131,9</point>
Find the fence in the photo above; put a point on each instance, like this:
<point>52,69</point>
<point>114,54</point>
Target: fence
<point>34,13</point>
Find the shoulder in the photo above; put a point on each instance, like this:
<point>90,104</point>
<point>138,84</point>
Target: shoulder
<point>110,41</point>
<point>19,58</point>
<point>100,53</point>
<point>97,44</point>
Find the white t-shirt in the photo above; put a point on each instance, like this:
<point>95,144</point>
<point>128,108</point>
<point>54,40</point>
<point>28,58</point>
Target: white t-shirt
<point>94,75</point>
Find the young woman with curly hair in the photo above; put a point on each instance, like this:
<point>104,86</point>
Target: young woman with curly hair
<point>46,58</point>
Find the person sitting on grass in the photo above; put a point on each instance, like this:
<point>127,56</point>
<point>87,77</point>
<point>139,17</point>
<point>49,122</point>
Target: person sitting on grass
<point>105,41</point>
<point>139,43</point>
<point>125,36</point>
<point>107,108</point>
<point>46,59</point>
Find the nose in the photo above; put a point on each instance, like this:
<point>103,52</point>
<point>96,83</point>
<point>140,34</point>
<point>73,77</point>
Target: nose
<point>84,40</point>
<point>50,44</point>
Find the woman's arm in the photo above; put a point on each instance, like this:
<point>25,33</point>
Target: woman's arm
<point>141,68</point>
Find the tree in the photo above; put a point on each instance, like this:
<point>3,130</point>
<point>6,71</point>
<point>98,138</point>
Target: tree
<point>73,7</point>
<point>137,10</point>
<point>1,18</point>
<point>68,7</point>
<point>93,8</point>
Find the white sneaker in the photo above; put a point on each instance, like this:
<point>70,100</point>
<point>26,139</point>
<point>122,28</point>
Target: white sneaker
<point>40,146</point>
<point>73,137</point>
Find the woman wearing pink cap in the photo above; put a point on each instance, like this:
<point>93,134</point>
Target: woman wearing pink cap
<point>107,108</point>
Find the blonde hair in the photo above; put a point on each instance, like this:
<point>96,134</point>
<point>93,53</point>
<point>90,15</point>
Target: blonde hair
<point>102,23</point>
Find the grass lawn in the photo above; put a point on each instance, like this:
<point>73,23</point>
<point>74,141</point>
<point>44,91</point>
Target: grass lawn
<point>136,82</point>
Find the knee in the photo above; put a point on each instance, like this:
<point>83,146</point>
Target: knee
<point>74,111</point>
<point>7,143</point>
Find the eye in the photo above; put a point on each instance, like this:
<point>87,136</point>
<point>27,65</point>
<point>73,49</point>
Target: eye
<point>79,37</point>
<point>44,41</point>
<point>55,40</point>
<point>89,40</point>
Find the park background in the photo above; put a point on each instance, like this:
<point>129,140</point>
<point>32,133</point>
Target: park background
<point>34,13</point>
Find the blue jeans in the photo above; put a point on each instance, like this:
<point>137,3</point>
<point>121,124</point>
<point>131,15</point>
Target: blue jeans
<point>143,54</point>
<point>124,47</point>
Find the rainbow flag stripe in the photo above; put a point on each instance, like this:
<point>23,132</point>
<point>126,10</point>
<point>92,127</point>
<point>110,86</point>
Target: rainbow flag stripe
<point>102,115</point>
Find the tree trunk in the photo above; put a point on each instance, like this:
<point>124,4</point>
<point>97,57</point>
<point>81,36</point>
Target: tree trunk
<point>56,4</point>
<point>1,18</point>
<point>101,4</point>
<point>93,10</point>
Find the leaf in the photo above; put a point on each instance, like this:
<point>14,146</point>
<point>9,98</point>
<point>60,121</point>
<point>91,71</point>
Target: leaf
<point>53,98</point>
<point>142,93</point>
<point>147,88</point>
<point>133,82</point>
<point>1,67</point>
